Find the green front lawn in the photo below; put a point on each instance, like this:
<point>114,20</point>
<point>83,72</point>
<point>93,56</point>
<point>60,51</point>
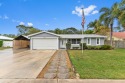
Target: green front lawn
<point>2,48</point>
<point>99,64</point>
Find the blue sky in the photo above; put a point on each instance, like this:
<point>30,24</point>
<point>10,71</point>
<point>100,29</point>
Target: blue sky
<point>48,14</point>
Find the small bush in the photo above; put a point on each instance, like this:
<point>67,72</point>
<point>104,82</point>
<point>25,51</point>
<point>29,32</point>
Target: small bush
<point>68,45</point>
<point>97,47</point>
<point>84,46</point>
<point>106,47</point>
<point>102,47</point>
<point>91,47</point>
<point>1,43</point>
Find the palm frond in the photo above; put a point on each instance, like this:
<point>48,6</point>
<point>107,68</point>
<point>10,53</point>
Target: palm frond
<point>104,9</point>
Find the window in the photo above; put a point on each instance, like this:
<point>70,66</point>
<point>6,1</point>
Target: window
<point>73,41</point>
<point>88,41</point>
<point>98,41</point>
<point>78,41</point>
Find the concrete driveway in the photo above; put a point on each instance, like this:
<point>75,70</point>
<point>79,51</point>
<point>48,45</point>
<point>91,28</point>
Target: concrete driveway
<point>27,64</point>
<point>6,52</point>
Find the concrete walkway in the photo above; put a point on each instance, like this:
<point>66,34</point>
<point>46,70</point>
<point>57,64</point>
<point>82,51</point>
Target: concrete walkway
<point>60,81</point>
<point>58,67</point>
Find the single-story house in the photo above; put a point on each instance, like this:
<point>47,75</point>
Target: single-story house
<point>48,40</point>
<point>7,41</point>
<point>117,36</point>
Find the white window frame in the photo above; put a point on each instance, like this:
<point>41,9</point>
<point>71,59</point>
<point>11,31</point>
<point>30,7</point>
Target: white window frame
<point>96,41</point>
<point>90,41</point>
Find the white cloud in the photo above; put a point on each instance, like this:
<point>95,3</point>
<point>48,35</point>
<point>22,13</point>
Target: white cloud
<point>30,24</point>
<point>95,12</point>
<point>46,24</point>
<point>13,20</point>
<point>21,23</point>
<point>5,17</point>
<point>88,11</point>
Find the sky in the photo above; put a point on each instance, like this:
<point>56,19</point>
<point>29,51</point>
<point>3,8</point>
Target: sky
<point>48,14</point>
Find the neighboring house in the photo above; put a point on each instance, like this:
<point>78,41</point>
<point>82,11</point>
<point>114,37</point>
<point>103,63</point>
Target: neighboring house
<point>7,42</point>
<point>48,40</point>
<point>118,36</point>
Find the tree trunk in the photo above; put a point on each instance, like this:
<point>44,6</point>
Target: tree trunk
<point>111,26</point>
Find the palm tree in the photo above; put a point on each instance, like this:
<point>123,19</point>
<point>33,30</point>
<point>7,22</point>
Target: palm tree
<point>108,16</point>
<point>95,25</point>
<point>121,15</point>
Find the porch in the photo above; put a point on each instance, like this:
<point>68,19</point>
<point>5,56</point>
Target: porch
<point>75,43</point>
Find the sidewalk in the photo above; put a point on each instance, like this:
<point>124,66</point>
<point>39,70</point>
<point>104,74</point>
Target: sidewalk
<point>60,81</point>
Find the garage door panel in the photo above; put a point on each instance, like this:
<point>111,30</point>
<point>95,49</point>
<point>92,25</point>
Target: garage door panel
<point>45,43</point>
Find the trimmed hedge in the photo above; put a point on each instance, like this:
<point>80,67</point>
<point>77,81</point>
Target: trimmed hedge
<point>106,47</point>
<point>1,43</point>
<point>102,47</point>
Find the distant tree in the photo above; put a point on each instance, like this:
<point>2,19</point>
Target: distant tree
<point>70,30</point>
<point>10,35</point>
<point>33,30</point>
<point>22,29</point>
<point>103,30</point>
<point>26,30</point>
<point>58,31</point>
<point>95,25</point>
<point>88,32</point>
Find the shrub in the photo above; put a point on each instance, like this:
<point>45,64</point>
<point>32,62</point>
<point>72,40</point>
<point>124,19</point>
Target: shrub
<point>103,47</point>
<point>106,47</point>
<point>1,43</point>
<point>91,47</point>
<point>84,46</point>
<point>97,47</point>
<point>68,45</point>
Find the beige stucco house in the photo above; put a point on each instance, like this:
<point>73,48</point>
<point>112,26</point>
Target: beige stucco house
<point>117,36</point>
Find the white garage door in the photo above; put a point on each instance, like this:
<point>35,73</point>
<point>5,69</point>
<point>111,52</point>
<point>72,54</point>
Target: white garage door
<point>45,43</point>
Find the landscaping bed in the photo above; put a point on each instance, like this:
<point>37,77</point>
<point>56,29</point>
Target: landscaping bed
<point>99,64</point>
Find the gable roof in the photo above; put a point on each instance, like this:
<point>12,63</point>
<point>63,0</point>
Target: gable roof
<point>5,38</point>
<point>42,32</point>
<point>21,37</point>
<point>119,34</point>
<point>81,36</point>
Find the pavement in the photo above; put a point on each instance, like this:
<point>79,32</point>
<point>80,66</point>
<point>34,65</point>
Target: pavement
<point>24,67</point>
<point>61,81</point>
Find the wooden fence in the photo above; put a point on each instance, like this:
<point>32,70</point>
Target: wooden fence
<point>17,44</point>
<point>116,44</point>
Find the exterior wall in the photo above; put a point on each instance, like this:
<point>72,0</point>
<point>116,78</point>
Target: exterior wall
<point>115,39</point>
<point>62,45</point>
<point>44,35</point>
<point>7,43</point>
<point>92,41</point>
<point>102,41</point>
